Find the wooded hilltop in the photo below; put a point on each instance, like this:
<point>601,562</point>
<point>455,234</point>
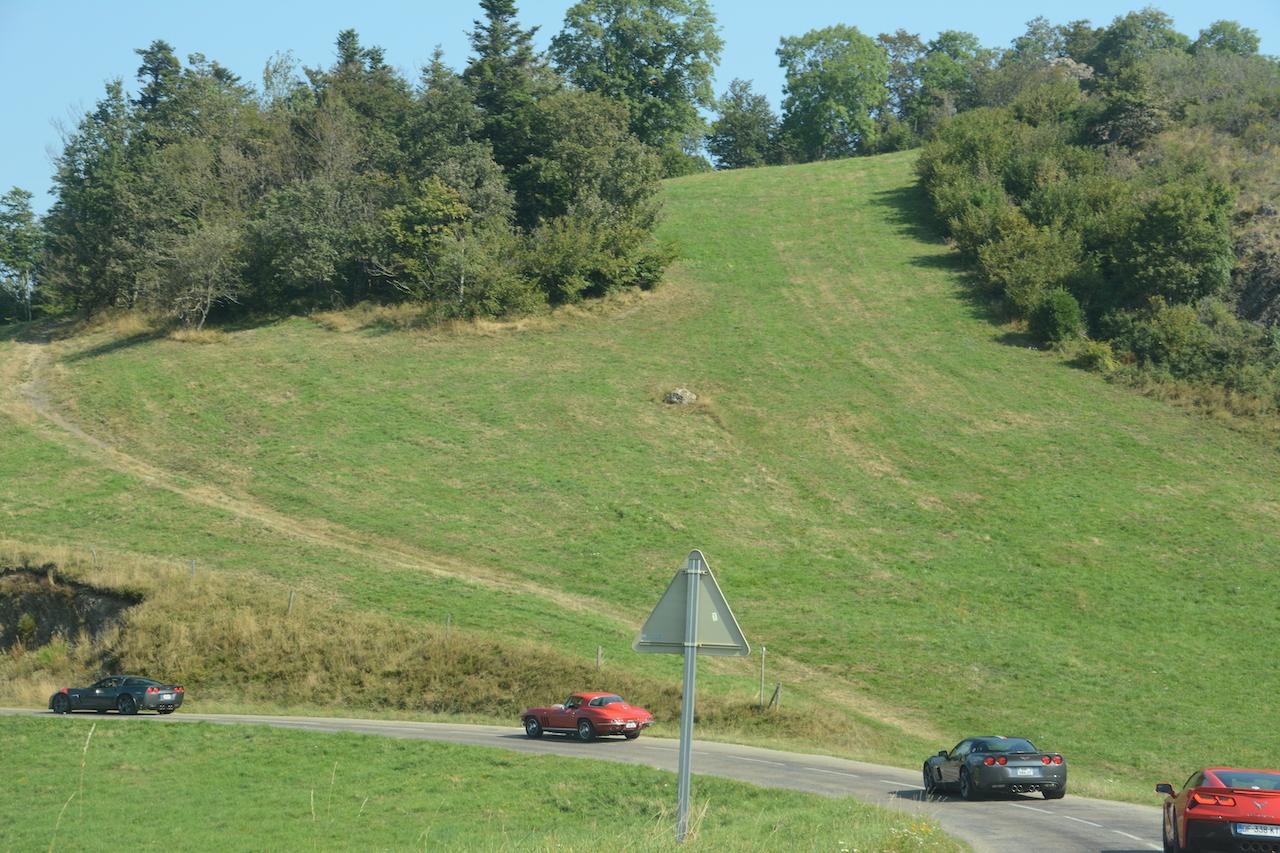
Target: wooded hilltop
<point>1116,187</point>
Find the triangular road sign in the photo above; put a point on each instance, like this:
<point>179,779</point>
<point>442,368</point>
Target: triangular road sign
<point>716,633</point>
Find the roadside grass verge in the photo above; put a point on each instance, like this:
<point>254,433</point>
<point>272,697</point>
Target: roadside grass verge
<point>936,530</point>
<point>205,787</point>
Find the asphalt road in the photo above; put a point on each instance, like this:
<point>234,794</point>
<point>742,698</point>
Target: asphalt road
<point>1016,824</point>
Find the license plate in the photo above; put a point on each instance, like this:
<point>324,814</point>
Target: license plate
<point>166,695</point>
<point>1258,830</point>
<point>1026,771</point>
<point>631,724</point>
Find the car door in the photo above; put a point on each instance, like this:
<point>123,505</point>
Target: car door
<point>102,695</point>
<point>950,769</point>
<point>566,717</point>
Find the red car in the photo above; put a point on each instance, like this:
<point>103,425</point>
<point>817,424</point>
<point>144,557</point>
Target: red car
<point>1223,809</point>
<point>588,715</point>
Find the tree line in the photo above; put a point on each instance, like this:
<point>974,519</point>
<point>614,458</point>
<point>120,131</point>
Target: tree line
<point>526,179</point>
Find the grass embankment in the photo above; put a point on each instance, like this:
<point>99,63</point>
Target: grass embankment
<point>935,529</point>
<point>204,787</point>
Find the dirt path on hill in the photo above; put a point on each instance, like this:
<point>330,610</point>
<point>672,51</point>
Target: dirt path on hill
<point>24,397</point>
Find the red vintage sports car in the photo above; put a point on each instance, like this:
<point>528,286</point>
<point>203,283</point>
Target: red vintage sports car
<point>1223,808</point>
<point>588,715</point>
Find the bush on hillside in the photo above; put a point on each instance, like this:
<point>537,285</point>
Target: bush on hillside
<point>1057,318</point>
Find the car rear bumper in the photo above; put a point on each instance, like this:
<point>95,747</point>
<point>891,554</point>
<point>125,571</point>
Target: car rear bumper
<point>1043,777</point>
<point>157,702</point>
<point>626,727</point>
<point>1220,836</point>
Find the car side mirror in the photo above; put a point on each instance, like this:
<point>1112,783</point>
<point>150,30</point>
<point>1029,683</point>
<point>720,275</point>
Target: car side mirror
<point>1164,788</point>
<point>942,753</point>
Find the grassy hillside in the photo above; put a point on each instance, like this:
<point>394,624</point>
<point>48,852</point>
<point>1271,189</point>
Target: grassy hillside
<point>252,788</point>
<point>935,529</point>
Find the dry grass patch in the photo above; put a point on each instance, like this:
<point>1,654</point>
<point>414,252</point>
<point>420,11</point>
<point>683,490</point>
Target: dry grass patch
<point>187,335</point>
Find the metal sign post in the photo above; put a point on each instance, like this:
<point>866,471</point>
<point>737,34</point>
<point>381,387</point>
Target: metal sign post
<point>691,618</point>
<point>693,573</point>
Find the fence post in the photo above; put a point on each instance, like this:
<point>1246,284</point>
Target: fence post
<point>599,657</point>
<point>193,568</point>
<point>776,701</point>
<point>94,552</point>
<point>763,651</point>
<point>290,608</point>
<point>448,623</point>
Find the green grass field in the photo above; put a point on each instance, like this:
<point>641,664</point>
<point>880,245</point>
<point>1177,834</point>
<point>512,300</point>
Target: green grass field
<point>79,784</point>
<point>936,530</point>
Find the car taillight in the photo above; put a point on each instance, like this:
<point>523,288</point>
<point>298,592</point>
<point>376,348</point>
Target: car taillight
<point>1057,759</point>
<point>989,761</point>
<point>179,690</point>
<point>63,690</point>
<point>1213,799</point>
<point>153,690</point>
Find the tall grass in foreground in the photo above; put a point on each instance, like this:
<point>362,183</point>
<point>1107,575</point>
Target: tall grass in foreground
<point>204,787</point>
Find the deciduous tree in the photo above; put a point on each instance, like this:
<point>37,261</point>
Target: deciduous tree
<point>835,84</point>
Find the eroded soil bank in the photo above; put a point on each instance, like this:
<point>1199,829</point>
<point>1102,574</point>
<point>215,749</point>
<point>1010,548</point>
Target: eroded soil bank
<point>36,605</point>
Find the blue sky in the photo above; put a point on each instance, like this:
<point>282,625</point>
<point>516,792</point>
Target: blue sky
<point>55,56</point>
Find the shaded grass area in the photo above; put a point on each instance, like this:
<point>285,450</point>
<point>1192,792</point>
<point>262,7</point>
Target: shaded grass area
<point>935,531</point>
<point>204,787</point>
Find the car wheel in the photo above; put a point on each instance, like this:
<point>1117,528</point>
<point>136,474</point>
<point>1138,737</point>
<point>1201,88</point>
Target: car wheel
<point>1055,793</point>
<point>968,790</point>
<point>631,735</point>
<point>126,705</point>
<point>532,727</point>
<point>585,730</point>
<point>930,786</point>
<point>61,704</point>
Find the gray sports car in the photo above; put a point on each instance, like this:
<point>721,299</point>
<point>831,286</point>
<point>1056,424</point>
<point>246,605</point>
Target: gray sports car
<point>127,694</point>
<point>984,765</point>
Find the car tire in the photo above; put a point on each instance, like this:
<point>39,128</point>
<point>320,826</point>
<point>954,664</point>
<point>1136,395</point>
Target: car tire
<point>61,704</point>
<point>586,731</point>
<point>532,728</point>
<point>1055,793</point>
<point>930,785</point>
<point>968,790</point>
<point>126,705</point>
<point>631,735</point>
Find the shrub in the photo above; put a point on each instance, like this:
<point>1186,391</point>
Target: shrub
<point>1023,263</point>
<point>1057,318</point>
<point>1096,356</point>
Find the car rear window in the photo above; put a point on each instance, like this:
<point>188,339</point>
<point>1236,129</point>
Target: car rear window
<point>1005,744</point>
<point>601,701</point>
<point>1252,780</point>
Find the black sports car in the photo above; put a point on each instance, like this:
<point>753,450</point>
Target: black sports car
<point>127,694</point>
<point>983,765</point>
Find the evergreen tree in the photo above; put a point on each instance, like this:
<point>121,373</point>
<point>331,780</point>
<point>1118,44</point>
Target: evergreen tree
<point>20,239</point>
<point>506,77</point>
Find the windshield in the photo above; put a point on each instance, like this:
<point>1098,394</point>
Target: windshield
<point>1004,744</point>
<point>1252,779</point>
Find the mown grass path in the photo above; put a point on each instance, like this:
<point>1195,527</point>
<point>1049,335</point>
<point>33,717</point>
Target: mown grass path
<point>937,530</point>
